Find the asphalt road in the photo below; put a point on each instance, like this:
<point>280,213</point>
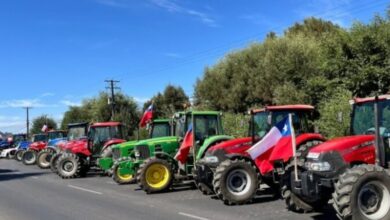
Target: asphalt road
<point>27,192</point>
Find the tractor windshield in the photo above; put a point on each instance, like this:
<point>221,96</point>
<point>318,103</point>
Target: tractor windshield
<point>40,137</point>
<point>160,130</point>
<point>102,134</point>
<point>18,138</point>
<point>260,123</point>
<point>363,118</point>
<point>181,126</point>
<point>75,133</point>
<point>205,126</point>
<point>56,134</point>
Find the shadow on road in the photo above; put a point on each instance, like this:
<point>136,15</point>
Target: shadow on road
<point>327,214</point>
<point>6,174</point>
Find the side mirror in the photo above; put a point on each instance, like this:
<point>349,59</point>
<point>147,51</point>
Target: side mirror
<point>340,117</point>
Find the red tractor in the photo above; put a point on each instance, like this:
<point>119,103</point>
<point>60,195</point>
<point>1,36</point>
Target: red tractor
<point>341,170</point>
<point>228,170</point>
<point>81,155</point>
<point>30,156</point>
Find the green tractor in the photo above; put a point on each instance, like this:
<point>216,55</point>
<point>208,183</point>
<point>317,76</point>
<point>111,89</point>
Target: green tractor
<point>158,128</point>
<point>157,168</point>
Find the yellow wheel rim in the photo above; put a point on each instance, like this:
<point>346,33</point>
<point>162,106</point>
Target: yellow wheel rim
<point>157,175</point>
<point>125,177</point>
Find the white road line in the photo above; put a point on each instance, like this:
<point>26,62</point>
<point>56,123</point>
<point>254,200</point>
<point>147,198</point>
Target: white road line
<point>192,216</point>
<point>84,189</point>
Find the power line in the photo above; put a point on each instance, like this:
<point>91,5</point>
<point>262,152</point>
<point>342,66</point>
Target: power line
<point>111,101</point>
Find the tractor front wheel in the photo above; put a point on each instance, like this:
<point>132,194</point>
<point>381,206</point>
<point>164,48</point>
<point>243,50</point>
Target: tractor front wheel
<point>69,166</point>
<point>155,175</point>
<point>19,155</point>
<point>121,178</point>
<point>236,181</point>
<point>29,157</point>
<point>53,162</point>
<point>44,157</point>
<point>363,192</point>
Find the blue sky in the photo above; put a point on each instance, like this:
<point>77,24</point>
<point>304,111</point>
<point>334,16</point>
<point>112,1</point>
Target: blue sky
<point>55,53</point>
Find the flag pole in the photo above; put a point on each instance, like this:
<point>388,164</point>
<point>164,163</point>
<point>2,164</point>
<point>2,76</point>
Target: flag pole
<point>294,146</point>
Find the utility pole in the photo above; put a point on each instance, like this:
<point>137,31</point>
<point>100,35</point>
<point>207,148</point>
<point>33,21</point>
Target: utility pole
<point>27,120</point>
<point>112,87</point>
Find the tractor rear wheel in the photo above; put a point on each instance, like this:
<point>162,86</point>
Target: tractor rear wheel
<point>53,162</point>
<point>69,166</point>
<point>363,192</point>
<point>44,157</point>
<point>29,157</point>
<point>294,202</point>
<point>236,181</point>
<point>19,155</point>
<point>11,154</point>
<point>155,175</point>
<point>121,178</point>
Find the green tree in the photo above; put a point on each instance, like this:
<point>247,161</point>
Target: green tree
<point>171,100</point>
<point>75,114</point>
<point>40,121</point>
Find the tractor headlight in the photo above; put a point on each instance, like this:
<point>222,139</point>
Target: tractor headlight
<point>211,159</point>
<point>318,166</point>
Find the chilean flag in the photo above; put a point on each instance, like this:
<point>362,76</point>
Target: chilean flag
<point>185,146</point>
<point>280,133</point>
<point>148,115</point>
<point>45,128</point>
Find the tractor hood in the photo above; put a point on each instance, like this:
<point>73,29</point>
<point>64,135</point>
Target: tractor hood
<point>153,141</point>
<point>124,144</point>
<point>234,146</point>
<point>39,145</point>
<point>72,144</point>
<point>344,144</point>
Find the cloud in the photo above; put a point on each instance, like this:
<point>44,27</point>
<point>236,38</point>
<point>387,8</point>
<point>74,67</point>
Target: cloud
<point>141,100</point>
<point>47,94</point>
<point>173,7</point>
<point>70,103</point>
<point>12,124</point>
<point>331,10</point>
<point>113,3</point>
<point>173,55</point>
<point>19,103</point>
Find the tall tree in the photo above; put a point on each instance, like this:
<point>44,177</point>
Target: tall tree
<point>40,121</point>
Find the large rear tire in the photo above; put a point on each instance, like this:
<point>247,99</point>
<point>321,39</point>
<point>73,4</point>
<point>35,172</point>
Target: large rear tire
<point>44,157</point>
<point>155,175</point>
<point>294,202</point>
<point>121,178</point>
<point>19,155</point>
<point>29,157</point>
<point>69,166</point>
<point>236,181</point>
<point>363,192</point>
<point>11,154</point>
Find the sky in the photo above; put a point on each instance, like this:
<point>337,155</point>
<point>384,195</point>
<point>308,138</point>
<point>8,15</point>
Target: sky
<point>55,53</point>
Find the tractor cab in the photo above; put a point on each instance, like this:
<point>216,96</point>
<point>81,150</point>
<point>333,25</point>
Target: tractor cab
<point>55,134</point>
<point>100,134</point>
<point>18,138</point>
<point>39,138</point>
<point>159,128</point>
<point>77,131</point>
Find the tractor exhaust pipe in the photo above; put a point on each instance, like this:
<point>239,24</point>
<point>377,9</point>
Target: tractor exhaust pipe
<point>379,150</point>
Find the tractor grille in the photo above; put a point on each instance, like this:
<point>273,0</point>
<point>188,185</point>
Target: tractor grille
<point>143,151</point>
<point>116,153</point>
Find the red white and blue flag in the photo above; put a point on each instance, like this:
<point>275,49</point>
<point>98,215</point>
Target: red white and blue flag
<point>148,115</point>
<point>279,134</point>
<point>45,128</point>
<point>185,146</point>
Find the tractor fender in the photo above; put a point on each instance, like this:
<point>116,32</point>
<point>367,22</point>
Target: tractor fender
<point>167,157</point>
<point>112,142</point>
<point>83,151</point>
<point>210,142</point>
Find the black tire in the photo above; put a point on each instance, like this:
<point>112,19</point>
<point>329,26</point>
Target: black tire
<point>69,166</point>
<point>19,155</point>
<point>44,158</point>
<point>29,157</point>
<point>53,162</point>
<point>231,180</point>
<point>143,171</point>
<point>355,190</point>
<point>116,176</point>
<point>11,154</point>
<point>294,202</point>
